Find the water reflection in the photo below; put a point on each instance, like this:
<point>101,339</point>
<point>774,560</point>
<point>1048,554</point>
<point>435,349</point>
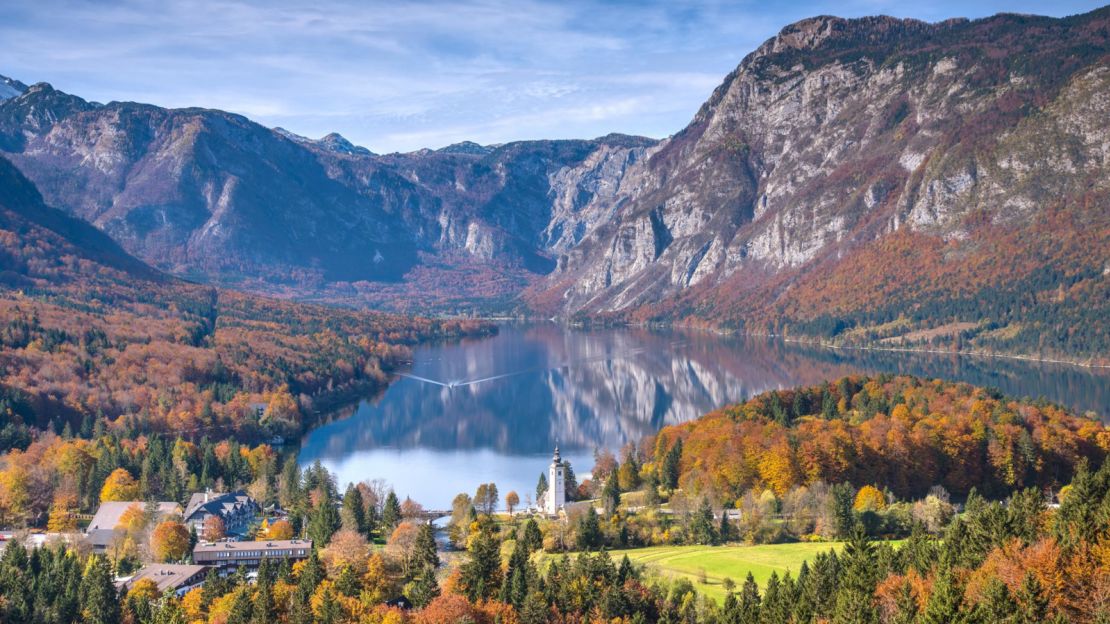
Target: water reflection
<point>491,410</point>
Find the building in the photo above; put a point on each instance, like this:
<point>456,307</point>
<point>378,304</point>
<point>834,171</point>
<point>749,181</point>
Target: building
<point>178,578</point>
<point>556,496</point>
<point>236,509</point>
<point>105,524</point>
<point>227,557</point>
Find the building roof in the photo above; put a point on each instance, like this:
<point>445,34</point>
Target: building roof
<point>101,538</point>
<point>168,576</point>
<point>216,504</point>
<point>269,545</point>
<point>108,514</point>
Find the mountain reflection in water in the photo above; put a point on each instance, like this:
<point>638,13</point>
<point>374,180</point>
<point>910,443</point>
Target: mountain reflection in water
<point>493,409</point>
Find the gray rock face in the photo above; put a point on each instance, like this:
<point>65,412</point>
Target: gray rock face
<point>836,134</point>
<point>214,196</point>
<point>9,88</point>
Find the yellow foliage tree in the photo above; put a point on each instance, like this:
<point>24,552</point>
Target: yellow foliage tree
<point>280,530</point>
<point>63,513</point>
<point>869,498</point>
<point>144,589</point>
<point>119,486</point>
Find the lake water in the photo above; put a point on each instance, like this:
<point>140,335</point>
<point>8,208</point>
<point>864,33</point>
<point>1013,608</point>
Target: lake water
<point>491,410</point>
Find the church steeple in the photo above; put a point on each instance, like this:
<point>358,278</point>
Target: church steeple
<point>556,495</point>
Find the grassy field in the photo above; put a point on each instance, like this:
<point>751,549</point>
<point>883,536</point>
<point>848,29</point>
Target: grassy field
<point>720,562</point>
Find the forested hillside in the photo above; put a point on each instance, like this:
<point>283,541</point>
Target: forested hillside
<point>89,334</point>
<point>899,433</point>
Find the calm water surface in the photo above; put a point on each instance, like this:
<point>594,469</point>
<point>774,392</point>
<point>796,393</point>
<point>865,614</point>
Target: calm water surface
<point>491,410</point>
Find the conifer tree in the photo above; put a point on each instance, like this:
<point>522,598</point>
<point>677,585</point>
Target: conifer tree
<point>725,532</point>
<point>855,596</point>
<point>98,598</point>
<point>391,513</point>
<point>588,532</point>
<point>749,604</point>
<point>241,606</point>
<point>323,522</point>
<point>531,535</point>
<point>611,495</point>
<point>996,604</point>
<point>945,605</point>
<point>167,611</point>
<point>541,488</point>
<point>426,553</point>
<point>423,589</point>
<point>905,605</point>
<point>669,471</point>
<point>347,583</point>
<point>776,605</point>
<point>330,611</point>
<point>353,514</point>
<point>15,583</point>
<point>1032,602</point>
<point>701,528</point>
<point>480,576</point>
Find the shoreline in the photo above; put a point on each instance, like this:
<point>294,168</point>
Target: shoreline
<point>803,340</point>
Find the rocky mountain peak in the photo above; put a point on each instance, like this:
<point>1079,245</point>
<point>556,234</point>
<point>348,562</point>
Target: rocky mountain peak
<point>10,87</point>
<point>466,147</point>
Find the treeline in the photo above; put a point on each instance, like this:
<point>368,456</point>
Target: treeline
<point>1015,561</point>
<point>900,433</point>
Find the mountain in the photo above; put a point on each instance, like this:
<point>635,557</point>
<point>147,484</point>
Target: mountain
<point>9,87</point>
<point>879,179</point>
<point>333,142</point>
<point>41,245</point>
<point>215,197</point>
<point>871,180</point>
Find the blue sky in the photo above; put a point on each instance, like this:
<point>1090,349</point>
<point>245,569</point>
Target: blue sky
<point>398,76</point>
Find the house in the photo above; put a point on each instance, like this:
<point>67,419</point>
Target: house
<point>178,578</point>
<point>236,509</point>
<point>105,524</point>
<point>228,557</point>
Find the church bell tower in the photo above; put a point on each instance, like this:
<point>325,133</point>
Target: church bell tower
<point>556,495</point>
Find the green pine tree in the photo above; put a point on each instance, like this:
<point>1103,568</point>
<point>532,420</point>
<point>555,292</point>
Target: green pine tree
<point>323,522</point>
<point>1032,601</point>
<point>426,553</point>
<point>855,598</point>
<point>391,513</point>
<point>480,575</point>
<point>905,605</point>
<point>945,605</point>
<point>98,597</point>
<point>588,531</point>
<point>996,605</point>
<point>423,589</point>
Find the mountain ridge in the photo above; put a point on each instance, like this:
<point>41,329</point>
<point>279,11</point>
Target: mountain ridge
<point>790,203</point>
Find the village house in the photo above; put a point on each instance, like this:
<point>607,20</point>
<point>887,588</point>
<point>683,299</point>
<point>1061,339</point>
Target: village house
<point>227,557</point>
<point>169,577</point>
<point>236,509</point>
<point>105,524</point>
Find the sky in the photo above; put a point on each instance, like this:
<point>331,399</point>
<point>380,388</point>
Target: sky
<point>400,76</point>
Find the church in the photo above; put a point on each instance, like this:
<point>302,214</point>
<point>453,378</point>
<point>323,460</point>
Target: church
<point>556,496</point>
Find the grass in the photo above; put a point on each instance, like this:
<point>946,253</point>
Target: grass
<point>721,562</point>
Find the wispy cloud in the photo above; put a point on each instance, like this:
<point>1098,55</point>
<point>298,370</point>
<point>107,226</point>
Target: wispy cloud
<point>408,74</point>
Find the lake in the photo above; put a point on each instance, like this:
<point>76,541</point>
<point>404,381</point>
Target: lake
<point>492,410</point>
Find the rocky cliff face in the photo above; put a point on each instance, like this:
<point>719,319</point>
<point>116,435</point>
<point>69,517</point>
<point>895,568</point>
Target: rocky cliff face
<point>838,138</point>
<point>214,196</point>
<point>865,179</point>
